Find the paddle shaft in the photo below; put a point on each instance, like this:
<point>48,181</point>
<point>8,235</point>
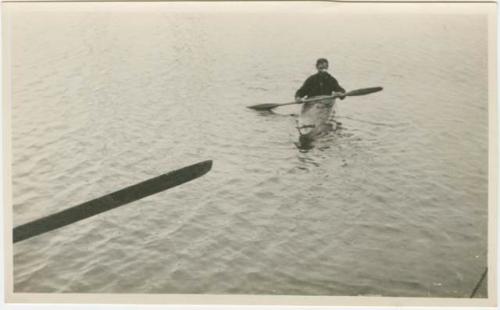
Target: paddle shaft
<point>110,201</point>
<point>478,285</point>
<point>311,100</point>
<point>357,92</point>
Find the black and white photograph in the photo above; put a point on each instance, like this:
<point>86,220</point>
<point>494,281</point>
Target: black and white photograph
<point>253,149</point>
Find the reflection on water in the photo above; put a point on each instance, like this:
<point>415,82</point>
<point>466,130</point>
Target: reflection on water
<point>312,151</point>
<point>333,131</point>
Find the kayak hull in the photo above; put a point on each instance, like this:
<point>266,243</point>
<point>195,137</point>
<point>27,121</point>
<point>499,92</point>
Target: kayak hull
<point>316,118</point>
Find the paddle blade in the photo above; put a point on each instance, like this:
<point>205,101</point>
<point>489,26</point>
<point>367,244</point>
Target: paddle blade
<point>111,201</point>
<point>363,91</point>
<point>264,106</point>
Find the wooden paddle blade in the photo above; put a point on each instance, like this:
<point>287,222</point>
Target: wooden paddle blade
<point>111,201</point>
<point>364,91</point>
<point>269,106</point>
<point>264,106</point>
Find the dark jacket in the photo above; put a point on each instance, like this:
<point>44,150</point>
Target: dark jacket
<point>321,83</point>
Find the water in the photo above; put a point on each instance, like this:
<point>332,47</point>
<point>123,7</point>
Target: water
<point>394,203</point>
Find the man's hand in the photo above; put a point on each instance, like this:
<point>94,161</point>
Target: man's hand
<point>340,95</point>
<point>299,99</point>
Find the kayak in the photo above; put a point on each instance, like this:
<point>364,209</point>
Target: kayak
<point>316,118</point>
<point>317,114</point>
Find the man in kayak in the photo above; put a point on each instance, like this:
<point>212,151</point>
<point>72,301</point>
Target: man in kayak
<point>319,84</point>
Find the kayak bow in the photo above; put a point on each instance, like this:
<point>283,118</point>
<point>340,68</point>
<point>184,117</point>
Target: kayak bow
<point>316,118</point>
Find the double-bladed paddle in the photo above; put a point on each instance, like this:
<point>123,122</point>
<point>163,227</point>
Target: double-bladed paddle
<point>357,92</point>
<point>111,201</point>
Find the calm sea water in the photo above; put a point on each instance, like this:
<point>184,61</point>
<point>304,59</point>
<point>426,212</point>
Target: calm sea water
<point>392,204</point>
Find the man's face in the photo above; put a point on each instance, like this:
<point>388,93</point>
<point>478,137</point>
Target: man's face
<point>322,67</point>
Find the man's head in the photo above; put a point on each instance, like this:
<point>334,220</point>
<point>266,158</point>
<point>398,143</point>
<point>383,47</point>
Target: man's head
<point>322,65</point>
